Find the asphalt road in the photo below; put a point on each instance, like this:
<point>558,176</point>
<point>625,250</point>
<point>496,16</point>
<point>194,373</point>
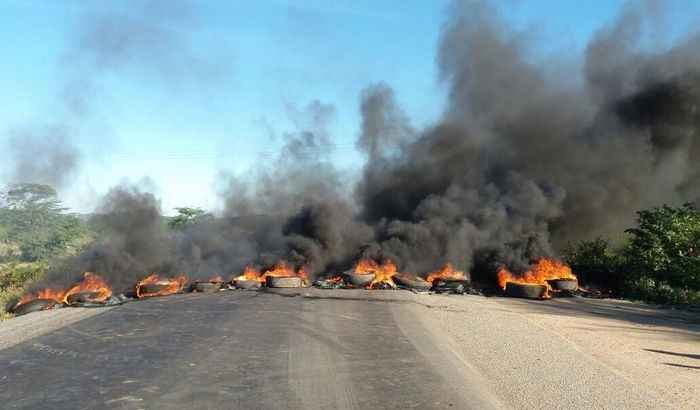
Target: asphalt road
<point>243,350</point>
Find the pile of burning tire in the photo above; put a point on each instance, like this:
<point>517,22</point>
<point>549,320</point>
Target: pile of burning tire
<point>91,291</point>
<point>83,299</point>
<point>544,278</point>
<point>35,305</point>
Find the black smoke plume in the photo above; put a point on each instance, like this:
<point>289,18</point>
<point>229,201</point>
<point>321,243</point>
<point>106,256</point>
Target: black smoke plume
<point>523,160</point>
<point>526,157</point>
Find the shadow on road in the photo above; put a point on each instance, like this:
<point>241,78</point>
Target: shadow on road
<point>683,324</point>
<point>691,356</point>
<point>682,366</point>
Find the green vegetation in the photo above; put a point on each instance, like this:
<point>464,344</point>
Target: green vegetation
<point>34,225</point>
<point>14,278</point>
<point>36,232</point>
<point>186,217</point>
<point>660,261</point>
<point>34,229</point>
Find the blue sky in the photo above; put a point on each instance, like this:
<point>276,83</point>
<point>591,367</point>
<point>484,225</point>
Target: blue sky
<point>268,56</point>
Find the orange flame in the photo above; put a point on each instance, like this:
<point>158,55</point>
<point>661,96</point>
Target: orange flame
<point>545,269</point>
<point>303,274</point>
<point>250,273</point>
<point>171,285</point>
<point>284,270</point>
<point>446,273</point>
<point>90,283</point>
<point>335,280</point>
<point>52,294</point>
<point>383,274</point>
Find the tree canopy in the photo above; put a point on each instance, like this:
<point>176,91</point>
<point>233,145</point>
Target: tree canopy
<point>33,219</point>
<point>186,216</point>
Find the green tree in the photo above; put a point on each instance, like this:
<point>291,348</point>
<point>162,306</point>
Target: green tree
<point>187,216</point>
<point>596,263</point>
<point>665,247</point>
<point>29,196</point>
<point>33,217</point>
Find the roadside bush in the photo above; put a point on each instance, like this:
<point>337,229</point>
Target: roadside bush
<point>662,256</point>
<point>597,265</point>
<point>650,290</point>
<point>660,262</point>
<point>665,246</point>
<point>8,298</point>
<point>15,277</point>
<point>18,274</point>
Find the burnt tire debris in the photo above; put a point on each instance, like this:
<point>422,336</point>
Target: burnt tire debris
<point>112,301</point>
<point>84,297</point>
<point>206,287</point>
<point>416,283</point>
<point>78,300</point>
<point>330,283</point>
<point>35,305</point>
<point>459,287</point>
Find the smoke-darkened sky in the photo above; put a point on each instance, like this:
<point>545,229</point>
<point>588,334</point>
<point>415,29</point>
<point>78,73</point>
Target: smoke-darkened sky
<point>171,96</point>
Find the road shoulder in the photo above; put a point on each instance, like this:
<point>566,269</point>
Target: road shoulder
<point>567,354</point>
<point>22,328</point>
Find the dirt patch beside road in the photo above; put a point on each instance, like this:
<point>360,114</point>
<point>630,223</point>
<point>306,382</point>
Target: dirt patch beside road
<point>577,353</point>
<point>23,328</point>
<point>652,347</point>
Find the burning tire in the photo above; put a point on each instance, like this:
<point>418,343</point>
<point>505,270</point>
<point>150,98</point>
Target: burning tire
<point>84,297</point>
<point>360,279</point>
<point>412,283</point>
<point>569,285</point>
<point>283,282</point>
<point>247,284</point>
<point>526,290</point>
<point>207,287</point>
<point>34,306</point>
<point>154,288</point>
<point>155,285</point>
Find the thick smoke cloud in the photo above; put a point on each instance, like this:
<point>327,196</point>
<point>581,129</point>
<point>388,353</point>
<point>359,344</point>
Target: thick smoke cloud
<point>131,240</point>
<point>292,206</point>
<point>520,163</point>
<point>304,196</point>
<point>523,162</point>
